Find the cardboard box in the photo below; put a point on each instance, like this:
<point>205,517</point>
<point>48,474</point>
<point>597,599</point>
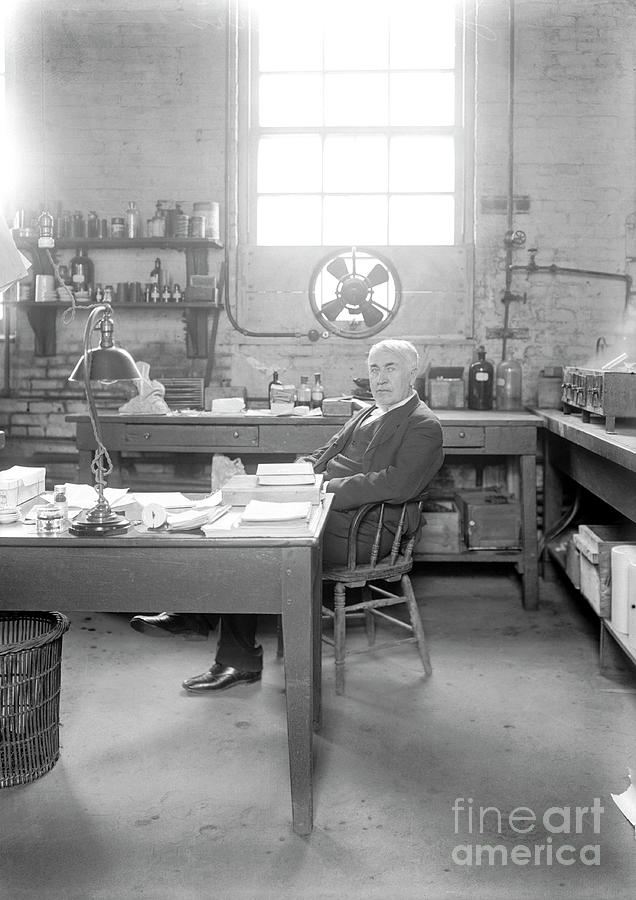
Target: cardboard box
<point>491,520</point>
<point>337,406</point>
<point>441,531</point>
<point>21,483</point>
<point>595,543</point>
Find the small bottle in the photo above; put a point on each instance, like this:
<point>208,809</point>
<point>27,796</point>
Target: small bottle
<point>108,294</point>
<point>93,225</point>
<point>99,294</point>
<point>158,222</point>
<point>508,381</point>
<point>165,294</point>
<point>303,397</point>
<point>274,383</point>
<point>177,296</point>
<point>59,499</point>
<point>317,392</point>
<point>117,227</point>
<point>82,271</point>
<point>133,221</point>
<point>156,274</point>
<point>155,294</point>
<point>480,382</point>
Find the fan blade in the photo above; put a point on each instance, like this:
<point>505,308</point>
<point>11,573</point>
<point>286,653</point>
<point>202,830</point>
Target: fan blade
<point>338,268</point>
<point>377,275</point>
<point>371,314</point>
<point>333,309</point>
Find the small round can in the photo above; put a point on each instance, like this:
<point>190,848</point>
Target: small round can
<point>117,228</point>
<point>197,226</point>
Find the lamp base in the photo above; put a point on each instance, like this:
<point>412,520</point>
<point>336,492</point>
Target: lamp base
<point>84,526</point>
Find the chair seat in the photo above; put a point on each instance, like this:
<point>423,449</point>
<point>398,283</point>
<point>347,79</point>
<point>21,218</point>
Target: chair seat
<point>384,570</point>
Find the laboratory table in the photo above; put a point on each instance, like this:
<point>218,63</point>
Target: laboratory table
<point>600,462</point>
<point>188,572</point>
<point>467,432</point>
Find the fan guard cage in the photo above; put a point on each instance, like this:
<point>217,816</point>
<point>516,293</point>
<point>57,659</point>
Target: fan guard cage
<point>354,292</point>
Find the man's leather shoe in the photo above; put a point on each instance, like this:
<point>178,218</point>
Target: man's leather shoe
<point>192,626</point>
<point>219,678</point>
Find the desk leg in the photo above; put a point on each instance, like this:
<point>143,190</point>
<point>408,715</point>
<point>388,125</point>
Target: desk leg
<point>298,624</point>
<point>529,532</point>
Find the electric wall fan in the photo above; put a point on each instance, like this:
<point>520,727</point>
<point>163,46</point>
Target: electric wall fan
<point>354,293</point>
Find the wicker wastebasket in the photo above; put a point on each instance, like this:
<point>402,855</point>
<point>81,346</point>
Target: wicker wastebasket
<point>30,675</point>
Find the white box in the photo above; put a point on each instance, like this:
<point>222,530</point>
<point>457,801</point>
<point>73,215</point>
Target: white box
<point>21,483</point>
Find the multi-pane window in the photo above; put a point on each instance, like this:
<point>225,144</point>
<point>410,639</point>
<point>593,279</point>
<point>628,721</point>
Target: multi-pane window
<point>356,122</point>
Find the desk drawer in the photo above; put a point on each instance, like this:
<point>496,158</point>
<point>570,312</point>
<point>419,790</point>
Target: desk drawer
<point>303,438</point>
<point>182,437</point>
<point>460,436</point>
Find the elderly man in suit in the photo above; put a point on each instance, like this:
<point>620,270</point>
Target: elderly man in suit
<point>389,451</point>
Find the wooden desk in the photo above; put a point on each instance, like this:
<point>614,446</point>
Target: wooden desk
<point>604,464</point>
<point>189,573</point>
<point>466,433</point>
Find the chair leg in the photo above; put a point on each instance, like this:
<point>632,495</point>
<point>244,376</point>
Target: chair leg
<point>416,622</point>
<point>369,618</point>
<point>339,633</point>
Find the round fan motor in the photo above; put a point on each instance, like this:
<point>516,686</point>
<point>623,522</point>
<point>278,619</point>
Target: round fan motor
<point>354,293</point>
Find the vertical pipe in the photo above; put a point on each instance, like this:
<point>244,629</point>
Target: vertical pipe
<point>511,167</point>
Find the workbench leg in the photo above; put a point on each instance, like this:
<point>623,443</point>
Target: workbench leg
<point>552,498</point>
<point>317,634</point>
<point>298,582</point>
<point>529,532</point>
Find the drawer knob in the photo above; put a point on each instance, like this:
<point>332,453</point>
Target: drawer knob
<point>146,435</point>
<point>462,434</point>
<point>235,435</point>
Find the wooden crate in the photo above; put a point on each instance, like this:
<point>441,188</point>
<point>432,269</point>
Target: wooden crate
<point>441,533</point>
<point>595,544</point>
<point>490,520</point>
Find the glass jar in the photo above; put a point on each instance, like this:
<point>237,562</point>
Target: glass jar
<point>49,519</point>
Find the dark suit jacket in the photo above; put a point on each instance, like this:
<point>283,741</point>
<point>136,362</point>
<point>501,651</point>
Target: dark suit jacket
<point>401,459</point>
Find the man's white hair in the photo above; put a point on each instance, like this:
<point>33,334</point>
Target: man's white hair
<point>404,349</point>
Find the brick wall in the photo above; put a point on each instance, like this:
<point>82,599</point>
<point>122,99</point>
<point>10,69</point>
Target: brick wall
<point>119,101</point>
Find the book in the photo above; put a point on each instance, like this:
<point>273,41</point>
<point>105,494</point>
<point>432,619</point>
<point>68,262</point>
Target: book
<point>260,511</point>
<point>240,489</point>
<point>232,524</point>
<point>285,473</point>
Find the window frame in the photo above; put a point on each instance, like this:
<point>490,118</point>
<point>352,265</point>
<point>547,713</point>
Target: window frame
<point>249,131</point>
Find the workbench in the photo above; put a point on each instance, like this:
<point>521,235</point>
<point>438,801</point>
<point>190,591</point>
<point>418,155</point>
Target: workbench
<point>477,435</point>
<point>600,462</point>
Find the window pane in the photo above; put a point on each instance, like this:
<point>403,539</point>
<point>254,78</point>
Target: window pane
<point>356,36</point>
<point>278,19</point>
<point>422,163</point>
<point>356,100</point>
<point>355,220</point>
<point>355,164</point>
<point>288,221</point>
<point>422,98</point>
<point>289,163</point>
<point>421,220</point>
<point>422,34</point>
<point>290,100</point>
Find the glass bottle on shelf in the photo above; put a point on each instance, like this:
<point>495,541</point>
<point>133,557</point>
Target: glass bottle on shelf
<point>508,388</point>
<point>158,222</point>
<point>317,392</point>
<point>156,274</point>
<point>303,397</point>
<point>133,221</point>
<point>480,381</point>
<point>82,272</point>
<point>273,385</point>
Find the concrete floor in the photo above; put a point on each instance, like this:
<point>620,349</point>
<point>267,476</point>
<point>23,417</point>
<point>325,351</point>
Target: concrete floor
<point>167,796</point>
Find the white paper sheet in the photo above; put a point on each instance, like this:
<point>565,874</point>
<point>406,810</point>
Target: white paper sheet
<point>626,802</point>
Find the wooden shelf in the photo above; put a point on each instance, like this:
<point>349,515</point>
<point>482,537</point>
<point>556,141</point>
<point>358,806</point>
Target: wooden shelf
<point>157,243</point>
<point>62,304</point>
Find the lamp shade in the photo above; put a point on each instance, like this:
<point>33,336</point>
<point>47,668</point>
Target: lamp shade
<point>107,364</point>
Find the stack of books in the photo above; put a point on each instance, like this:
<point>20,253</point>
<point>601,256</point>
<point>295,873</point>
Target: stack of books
<point>262,519</point>
<point>276,483</point>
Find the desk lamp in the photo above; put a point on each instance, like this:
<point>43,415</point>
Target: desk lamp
<point>106,364</point>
